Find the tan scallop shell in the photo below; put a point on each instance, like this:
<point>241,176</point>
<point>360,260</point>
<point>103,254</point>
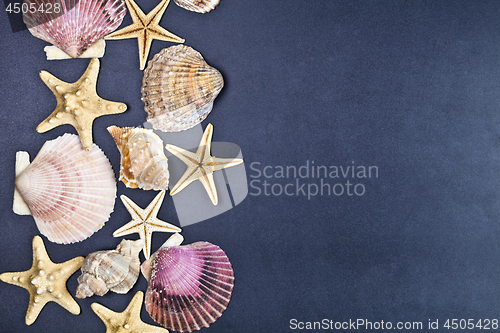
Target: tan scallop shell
<point>179,88</point>
<point>115,270</point>
<point>69,191</point>
<point>143,161</point>
<point>199,6</point>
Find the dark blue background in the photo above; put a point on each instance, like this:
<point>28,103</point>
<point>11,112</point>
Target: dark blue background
<point>412,87</point>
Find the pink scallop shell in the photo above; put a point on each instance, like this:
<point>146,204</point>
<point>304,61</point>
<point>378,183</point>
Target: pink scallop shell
<point>70,191</point>
<point>78,24</point>
<point>189,285</point>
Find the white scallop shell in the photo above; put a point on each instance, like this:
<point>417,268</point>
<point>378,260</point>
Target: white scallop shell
<point>143,162</point>
<point>73,26</point>
<point>189,285</point>
<point>70,192</point>
<point>199,6</point>
<point>115,270</point>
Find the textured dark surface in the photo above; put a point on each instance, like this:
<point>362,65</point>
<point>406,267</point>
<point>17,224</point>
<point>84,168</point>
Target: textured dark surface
<point>411,87</point>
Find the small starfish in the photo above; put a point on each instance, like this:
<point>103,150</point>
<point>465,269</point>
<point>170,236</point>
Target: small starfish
<point>144,221</point>
<point>78,103</point>
<point>128,320</point>
<point>201,165</point>
<point>45,281</point>
<point>145,28</point>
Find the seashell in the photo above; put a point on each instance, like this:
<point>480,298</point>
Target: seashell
<point>115,270</point>
<point>73,26</point>
<point>179,88</point>
<point>189,286</point>
<point>199,6</point>
<point>69,191</point>
<point>143,161</point>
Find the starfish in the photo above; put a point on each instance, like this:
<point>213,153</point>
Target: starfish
<point>144,221</point>
<point>78,103</point>
<point>45,281</point>
<point>201,165</point>
<point>128,320</point>
<point>145,28</point>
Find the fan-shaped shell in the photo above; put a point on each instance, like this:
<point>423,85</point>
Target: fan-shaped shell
<point>73,25</point>
<point>143,161</point>
<point>115,270</point>
<point>199,6</point>
<point>70,191</point>
<point>179,88</point>
<point>189,286</point>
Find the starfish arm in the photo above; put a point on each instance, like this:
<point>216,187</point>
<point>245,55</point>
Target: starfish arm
<point>187,178</point>
<point>160,33</point>
<point>131,31</point>
<point>154,206</point>
<point>184,155</point>
<point>134,210</point>
<point>34,308</point>
<point>57,117</point>
<point>146,234</point>
<point>144,44</point>
<point>52,82</point>
<point>105,107</point>
<point>159,225</point>
<point>222,163</point>
<point>104,313</point>
<point>155,15</point>
<point>206,142</point>
<point>127,229</point>
<point>208,183</point>
<point>89,78</point>
<point>17,278</point>
<point>136,13</point>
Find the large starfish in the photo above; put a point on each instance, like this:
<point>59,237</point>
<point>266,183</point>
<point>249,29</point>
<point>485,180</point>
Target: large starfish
<point>45,281</point>
<point>201,165</point>
<point>144,221</point>
<point>145,28</point>
<point>127,321</point>
<point>78,103</point>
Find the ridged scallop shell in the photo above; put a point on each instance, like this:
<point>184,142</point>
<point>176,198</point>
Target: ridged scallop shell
<point>199,6</point>
<point>143,161</point>
<point>78,24</point>
<point>115,270</point>
<point>189,286</point>
<point>179,88</point>
<point>70,191</point>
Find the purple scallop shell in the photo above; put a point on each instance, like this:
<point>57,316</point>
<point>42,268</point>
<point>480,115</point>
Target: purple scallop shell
<point>73,25</point>
<point>189,285</point>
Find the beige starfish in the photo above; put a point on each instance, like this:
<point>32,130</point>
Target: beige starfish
<point>128,320</point>
<point>144,221</point>
<point>78,103</point>
<point>201,165</point>
<point>45,281</point>
<point>145,28</point>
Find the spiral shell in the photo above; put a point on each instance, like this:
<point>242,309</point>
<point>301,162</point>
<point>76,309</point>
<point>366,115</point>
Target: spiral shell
<point>69,191</point>
<point>189,286</point>
<point>179,89</point>
<point>143,161</point>
<point>199,6</point>
<point>73,26</point>
<point>115,270</point>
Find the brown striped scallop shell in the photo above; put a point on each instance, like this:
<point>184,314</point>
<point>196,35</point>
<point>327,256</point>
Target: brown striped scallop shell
<point>179,89</point>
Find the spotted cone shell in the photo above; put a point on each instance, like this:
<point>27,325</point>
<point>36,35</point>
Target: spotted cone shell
<point>199,6</point>
<point>179,88</point>
<point>189,285</point>
<point>73,25</point>
<point>115,270</point>
<point>143,161</point>
<point>69,191</point>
